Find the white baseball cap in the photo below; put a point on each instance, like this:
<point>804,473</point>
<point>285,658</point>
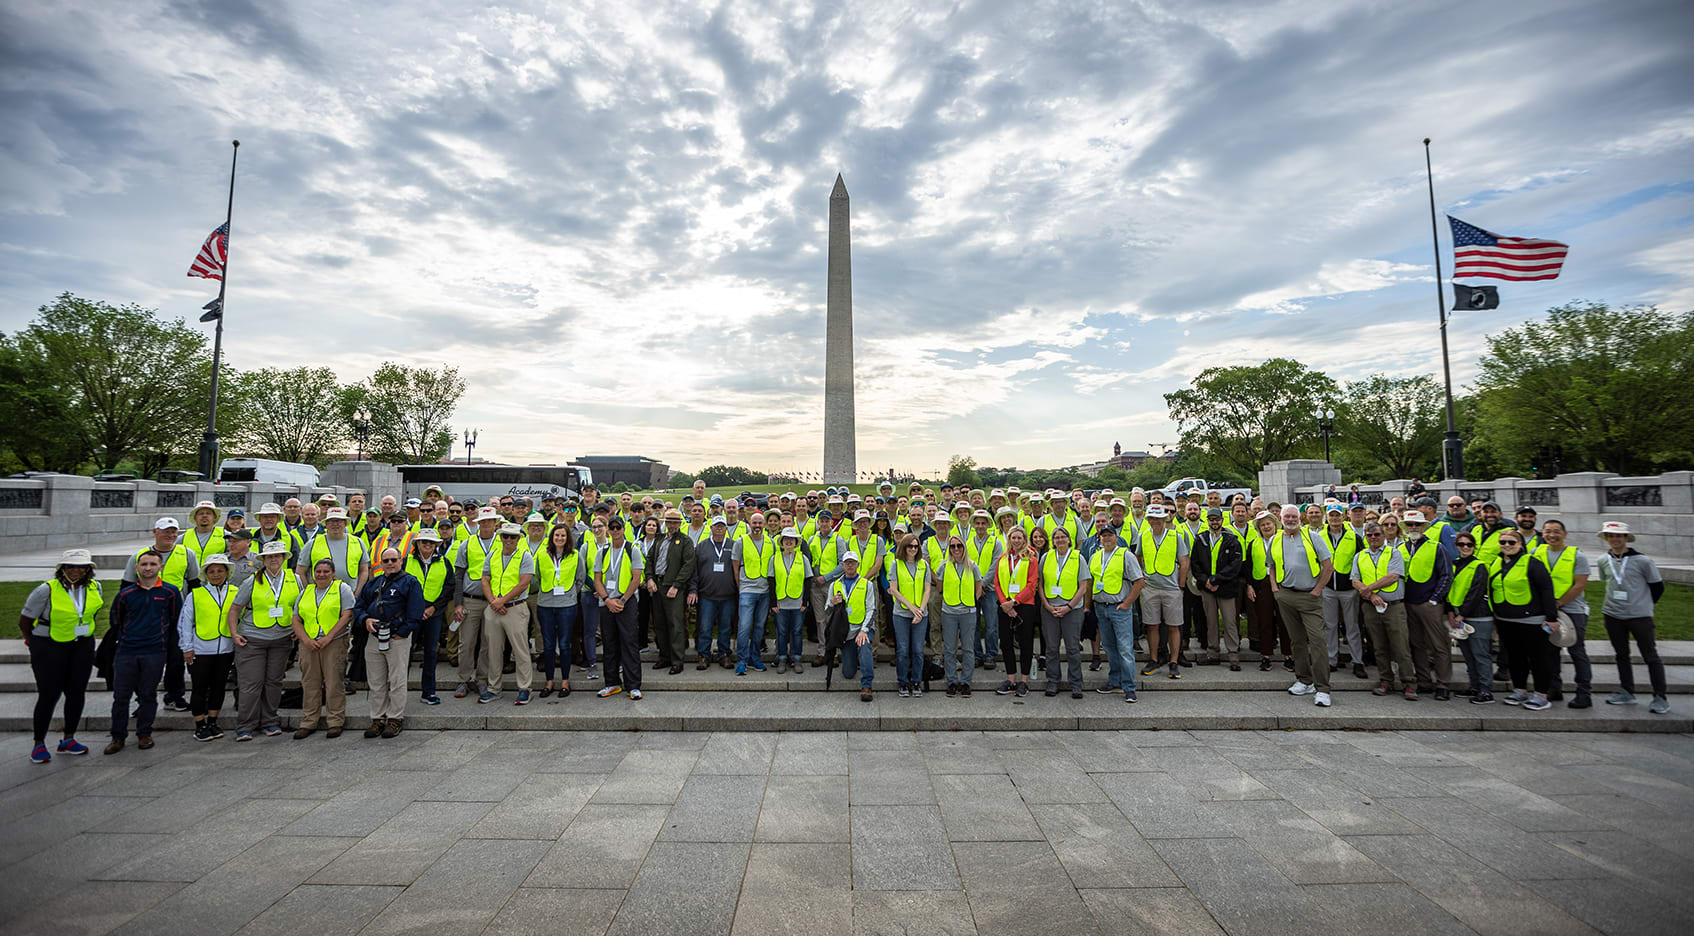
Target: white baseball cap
<point>166,523</point>
<point>850,556</point>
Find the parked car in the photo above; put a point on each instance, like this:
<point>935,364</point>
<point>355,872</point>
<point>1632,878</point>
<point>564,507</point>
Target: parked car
<point>1198,487</point>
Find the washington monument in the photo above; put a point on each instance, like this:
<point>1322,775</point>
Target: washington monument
<point>840,462</point>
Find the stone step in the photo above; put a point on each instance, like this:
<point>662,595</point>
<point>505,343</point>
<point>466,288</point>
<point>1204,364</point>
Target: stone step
<point>842,710</point>
<point>17,678</point>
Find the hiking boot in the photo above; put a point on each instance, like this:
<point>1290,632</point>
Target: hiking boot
<point>375,730</point>
<point>116,746</point>
<point>1580,700</point>
<point>303,733</point>
<point>392,730</point>
<point>1359,671</point>
<point>144,742</point>
<point>864,695</point>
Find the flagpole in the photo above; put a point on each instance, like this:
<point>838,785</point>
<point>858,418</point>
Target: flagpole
<point>209,442</point>
<point>1452,449</point>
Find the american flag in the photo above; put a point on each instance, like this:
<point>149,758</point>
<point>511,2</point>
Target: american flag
<point>210,262</point>
<point>1477,252</point>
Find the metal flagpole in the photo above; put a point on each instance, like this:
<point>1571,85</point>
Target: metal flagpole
<point>209,442</point>
<point>1452,450</point>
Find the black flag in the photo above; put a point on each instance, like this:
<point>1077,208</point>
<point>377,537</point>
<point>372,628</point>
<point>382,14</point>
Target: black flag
<point>1475,297</point>
<point>214,311</point>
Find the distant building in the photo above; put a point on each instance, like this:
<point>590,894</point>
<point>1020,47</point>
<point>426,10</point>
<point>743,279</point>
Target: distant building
<point>1128,461</point>
<point>630,469</point>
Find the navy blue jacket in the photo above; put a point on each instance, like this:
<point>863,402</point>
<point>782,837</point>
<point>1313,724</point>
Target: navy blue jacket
<point>142,617</point>
<point>395,598</point>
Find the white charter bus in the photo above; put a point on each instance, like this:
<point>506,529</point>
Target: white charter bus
<point>483,483</point>
<point>265,469</point>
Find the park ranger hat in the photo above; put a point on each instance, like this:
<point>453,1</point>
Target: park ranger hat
<point>671,513</point>
<point>428,535</point>
<point>216,559</point>
<point>275,547</point>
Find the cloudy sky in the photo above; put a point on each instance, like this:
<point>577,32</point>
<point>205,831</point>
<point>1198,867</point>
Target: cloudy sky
<point>614,223</point>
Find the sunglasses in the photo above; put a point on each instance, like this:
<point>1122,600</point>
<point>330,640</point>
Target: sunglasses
<point>508,536</point>
<point>390,561</point>
<point>1466,545</point>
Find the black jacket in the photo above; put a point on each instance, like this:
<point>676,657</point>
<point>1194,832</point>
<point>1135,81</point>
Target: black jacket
<point>1227,575</point>
<point>395,599</point>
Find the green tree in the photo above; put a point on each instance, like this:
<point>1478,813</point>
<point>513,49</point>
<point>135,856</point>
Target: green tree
<point>291,415</point>
<point>1393,424</point>
<point>113,382</point>
<point>1250,415</point>
<point>680,479</point>
<point>1593,386</point>
<point>1113,477</point>
<point>730,476</point>
<point>411,410</point>
<point>961,470</point>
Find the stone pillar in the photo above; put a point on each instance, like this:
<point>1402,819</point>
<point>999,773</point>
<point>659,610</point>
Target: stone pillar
<point>1281,481</point>
<point>840,459</point>
<point>1581,492</point>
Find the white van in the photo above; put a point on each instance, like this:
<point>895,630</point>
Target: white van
<point>264,469</point>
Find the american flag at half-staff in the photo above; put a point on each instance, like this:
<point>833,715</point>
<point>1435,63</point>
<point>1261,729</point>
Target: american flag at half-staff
<point>209,263</point>
<point>1477,252</point>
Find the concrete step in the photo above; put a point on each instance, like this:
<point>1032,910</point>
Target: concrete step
<point>842,710</point>
<point>17,678</point>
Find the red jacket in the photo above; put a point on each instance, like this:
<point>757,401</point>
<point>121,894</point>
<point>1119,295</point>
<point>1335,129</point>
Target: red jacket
<point>1026,594</point>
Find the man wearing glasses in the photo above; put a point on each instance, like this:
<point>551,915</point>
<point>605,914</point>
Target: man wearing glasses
<point>1377,571</point>
<point>393,601</point>
<point>506,575</point>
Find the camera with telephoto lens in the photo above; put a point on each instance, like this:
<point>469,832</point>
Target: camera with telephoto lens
<point>382,635</point>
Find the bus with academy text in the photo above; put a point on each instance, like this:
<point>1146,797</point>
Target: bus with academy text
<point>483,483</point>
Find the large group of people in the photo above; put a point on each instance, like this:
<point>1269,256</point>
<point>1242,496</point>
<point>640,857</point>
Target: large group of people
<point>952,581</point>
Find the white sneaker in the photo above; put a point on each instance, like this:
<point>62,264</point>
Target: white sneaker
<point>1322,700</point>
<point>1300,688</point>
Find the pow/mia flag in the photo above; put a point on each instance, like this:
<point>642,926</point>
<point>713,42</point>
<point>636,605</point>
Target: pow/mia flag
<point>1475,297</point>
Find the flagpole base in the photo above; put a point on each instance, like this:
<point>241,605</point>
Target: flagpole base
<point>1453,456</point>
<point>208,455</point>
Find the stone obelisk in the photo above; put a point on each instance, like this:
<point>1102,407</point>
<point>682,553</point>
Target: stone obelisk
<point>840,461</point>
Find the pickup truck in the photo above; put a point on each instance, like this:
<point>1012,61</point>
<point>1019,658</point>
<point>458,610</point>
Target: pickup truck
<point>1197,487</point>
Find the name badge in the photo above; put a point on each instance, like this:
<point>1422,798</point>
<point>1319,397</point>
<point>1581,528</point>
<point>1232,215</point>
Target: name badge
<point>1620,594</point>
<point>559,590</point>
<point>1052,591</point>
<point>276,611</point>
<point>717,567</point>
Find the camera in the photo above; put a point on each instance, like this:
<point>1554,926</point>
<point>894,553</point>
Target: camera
<point>382,636</point>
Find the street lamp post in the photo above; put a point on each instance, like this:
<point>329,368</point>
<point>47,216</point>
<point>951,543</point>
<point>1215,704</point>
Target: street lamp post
<point>361,430</point>
<point>1326,422</point>
<point>470,443</point>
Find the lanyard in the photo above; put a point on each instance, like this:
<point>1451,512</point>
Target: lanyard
<point>1618,569</point>
<point>79,597</point>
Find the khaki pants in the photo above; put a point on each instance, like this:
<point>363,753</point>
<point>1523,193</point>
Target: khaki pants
<point>473,651</point>
<point>387,673</point>
<point>931,622</point>
<point>500,631</point>
<point>1387,631</point>
<point>1160,607</point>
<point>1212,609</point>
<point>1302,613</point>
<point>323,680</point>
<point>818,593</point>
<point>1430,644</point>
<point>259,667</point>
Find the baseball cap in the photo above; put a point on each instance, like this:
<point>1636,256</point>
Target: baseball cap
<point>166,523</point>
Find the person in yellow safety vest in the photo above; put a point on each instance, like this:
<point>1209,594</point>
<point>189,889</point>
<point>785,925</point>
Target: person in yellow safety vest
<point>321,615</point>
<point>1525,519</point>
<point>1429,574</point>
<point>984,546</point>
<point>1035,514</point>
<point>751,561</point>
<point>561,569</point>
<point>1570,571</point>
<point>1340,602</point>
<point>697,528</point>
<point>260,619</point>
<point>506,574</point>
<point>1163,553</point>
<point>791,570</point>
<point>1525,611</point>
<point>181,569</point>
<point>207,647</point>
<point>206,537</point>
<point>618,575</point>
<point>1487,532</point>
<point>1302,567</point>
<point>434,573</point>
<point>858,596</point>
<point>960,583</point>
<point>910,582</point>
<point>1064,594</point>
<point>826,545</point>
<point>469,557</point>
<point>398,536</point>
<point>356,515</point>
<point>1471,618</point>
<point>58,630</point>
<point>235,519</point>
<point>1378,571</point>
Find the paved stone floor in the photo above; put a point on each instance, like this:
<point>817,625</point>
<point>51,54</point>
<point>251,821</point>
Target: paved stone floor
<point>1241,832</point>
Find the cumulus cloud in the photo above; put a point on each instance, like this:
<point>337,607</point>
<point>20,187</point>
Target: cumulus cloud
<point>1061,211</point>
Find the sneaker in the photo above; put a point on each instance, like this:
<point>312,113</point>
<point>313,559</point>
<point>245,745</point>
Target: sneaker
<point>1264,666</point>
<point>593,672</point>
<point>1051,691</point>
<point>488,695</point>
<point>1580,700</point>
<point>72,746</point>
<point>1129,696</point>
<point>40,755</point>
<point>1537,703</point>
<point>1176,672</point>
<point>1288,664</point>
<point>213,732</point>
<point>1076,693</point>
<point>952,691</point>
<point>635,695</point>
<point>1410,693</point>
<point>523,697</point>
<point>1518,697</point>
<point>177,705</point>
<point>1235,667</point>
<point>1152,669</point>
<point>1482,698</point>
<point>796,667</point>
<point>1023,689</point>
<point>759,665</point>
<point>1442,695</point>
<point>917,692</point>
<point>1107,690</point>
<point>1621,697</point>
<point>463,690</point>
<point>740,670</point>
<point>1381,689</point>
<point>965,691</point>
<point>1321,700</point>
<point>905,691</point>
<point>431,700</point>
<point>609,691</point>
<point>1659,706</point>
<point>1006,688</point>
<point>244,736</point>
<point>1300,688</point>
<point>272,731</point>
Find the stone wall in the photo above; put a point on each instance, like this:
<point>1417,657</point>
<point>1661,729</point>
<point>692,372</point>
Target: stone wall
<point>61,511</point>
<point>374,478</point>
<point>1659,509</point>
<point>1278,481</point>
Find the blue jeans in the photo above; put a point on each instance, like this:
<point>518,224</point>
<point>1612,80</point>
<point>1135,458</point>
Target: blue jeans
<point>717,615</point>
<point>790,633</point>
<point>557,624</point>
<point>136,674</point>
<point>1117,632</point>
<point>956,641</point>
<point>859,661</point>
<point>908,650</point>
<point>988,641</point>
<point>753,606</point>
<point>428,635</point>
<point>1479,657</point>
